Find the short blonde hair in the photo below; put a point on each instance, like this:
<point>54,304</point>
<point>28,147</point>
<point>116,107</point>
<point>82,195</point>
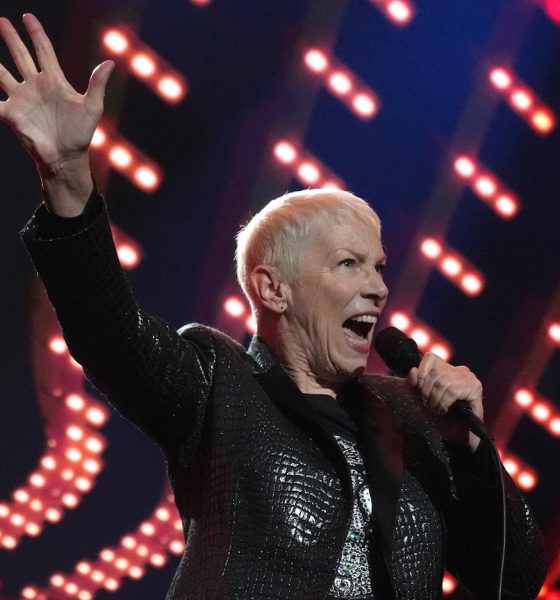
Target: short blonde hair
<point>278,234</point>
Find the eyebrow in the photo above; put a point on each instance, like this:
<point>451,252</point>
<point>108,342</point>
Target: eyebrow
<point>361,256</point>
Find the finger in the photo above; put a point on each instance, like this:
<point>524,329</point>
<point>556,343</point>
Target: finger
<point>7,82</point>
<point>412,377</point>
<point>18,50</point>
<point>46,55</point>
<point>97,84</point>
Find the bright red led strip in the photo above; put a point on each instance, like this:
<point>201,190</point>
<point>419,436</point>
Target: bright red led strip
<point>554,332</point>
<point>342,83</point>
<point>128,250</point>
<point>400,12</point>
<point>541,410</point>
<point>523,100</point>
<point>124,157</point>
<point>487,186</point>
<point>523,475</point>
<point>122,44</point>
<point>425,337</point>
<point>453,265</point>
<point>150,545</point>
<point>305,167</point>
<point>449,584</point>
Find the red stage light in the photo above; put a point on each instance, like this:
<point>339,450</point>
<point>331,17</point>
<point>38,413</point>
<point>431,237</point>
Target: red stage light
<point>128,257</point>
<point>448,584</point>
<point>523,100</point>
<point>524,397</point>
<point>399,12</point>
<point>316,60</point>
<point>554,332</point>
<point>487,187</point>
<point>235,307</point>
<point>58,345</point>
<point>359,98</point>
<point>124,45</point>
<point>424,336</point>
<point>431,248</point>
<point>115,41</point>
<point>306,167</point>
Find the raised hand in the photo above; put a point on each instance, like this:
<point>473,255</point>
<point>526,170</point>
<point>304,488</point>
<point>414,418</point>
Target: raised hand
<point>54,122</point>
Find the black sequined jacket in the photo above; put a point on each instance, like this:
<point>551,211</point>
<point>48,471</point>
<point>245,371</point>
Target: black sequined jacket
<point>262,487</point>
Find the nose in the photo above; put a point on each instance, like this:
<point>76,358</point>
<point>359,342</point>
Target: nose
<point>375,287</point>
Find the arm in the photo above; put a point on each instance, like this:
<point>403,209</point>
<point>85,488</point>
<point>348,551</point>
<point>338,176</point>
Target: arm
<point>474,530</point>
<point>146,368</point>
<point>473,520</point>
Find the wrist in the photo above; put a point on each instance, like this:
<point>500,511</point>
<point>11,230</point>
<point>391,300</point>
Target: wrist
<point>67,185</point>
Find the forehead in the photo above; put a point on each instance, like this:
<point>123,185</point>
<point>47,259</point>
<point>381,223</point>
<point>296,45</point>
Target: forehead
<point>332,233</point>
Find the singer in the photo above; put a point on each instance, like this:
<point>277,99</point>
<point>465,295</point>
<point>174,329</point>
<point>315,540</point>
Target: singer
<point>297,475</point>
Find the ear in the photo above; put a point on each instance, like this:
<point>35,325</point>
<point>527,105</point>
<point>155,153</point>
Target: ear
<point>270,288</point>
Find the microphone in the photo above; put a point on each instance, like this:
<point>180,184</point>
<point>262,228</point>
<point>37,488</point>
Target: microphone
<point>400,353</point>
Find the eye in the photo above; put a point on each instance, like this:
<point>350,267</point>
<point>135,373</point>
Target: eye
<point>380,268</point>
<point>347,262</point>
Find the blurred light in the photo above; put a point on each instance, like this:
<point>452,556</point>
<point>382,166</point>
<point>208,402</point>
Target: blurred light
<point>136,572</point>
<point>53,515</point>
<point>251,326</point>
<point>451,266</point>
<point>400,321</point>
<point>146,178</point>
<point>143,65</point>
<point>83,484</point>
<point>57,580</point>
<point>162,514</point>
<point>234,307</point>
<point>9,542</point>
<point>37,480</point>
<point>511,466</point>
<point>4,511</point>
<point>177,547</point>
<point>448,584</point>
<point>74,432</point>
<point>554,426</point>
<point>67,474</point>
<point>524,397</point>
<point>400,12</point>
<point>71,588</point>
<point>96,416</point>
<point>128,257</point>
<point>308,173</point>
<point>70,500</point>
<point>28,593</point>
<point>73,455</point>
<point>21,495</point>
<point>526,481</point>
<point>57,345</point>
<point>306,167</point>
<point>485,186</point>
<point>521,100</point>
<point>97,576</point>
<point>540,412</point>
<point>128,542</point>
<point>464,166</point>
<point>36,505</point>
<point>158,560</point>
<point>471,284</point>
<point>85,595</point>
<point>120,157</point>
<point>94,445</point>
<point>147,529</point>
<point>552,8</point>
<point>431,248</point>
<point>17,520</point>
<point>506,206</point>
<point>285,152</point>
<point>316,60</point>
<point>75,402</point>
<point>554,332</point>
<point>364,105</point>
<point>92,466</point>
<point>421,337</point>
<point>122,564</point>
<point>171,88</point>
<point>115,41</point>
<point>99,138</point>
<point>500,78</point>
<point>48,462</point>
<point>111,584</point>
<point>340,83</point>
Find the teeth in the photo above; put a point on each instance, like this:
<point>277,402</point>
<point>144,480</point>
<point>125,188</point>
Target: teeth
<point>365,319</point>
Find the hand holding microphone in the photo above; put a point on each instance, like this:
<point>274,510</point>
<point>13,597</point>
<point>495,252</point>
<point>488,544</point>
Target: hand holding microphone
<point>443,387</point>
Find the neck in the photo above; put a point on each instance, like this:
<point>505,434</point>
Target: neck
<point>291,356</point>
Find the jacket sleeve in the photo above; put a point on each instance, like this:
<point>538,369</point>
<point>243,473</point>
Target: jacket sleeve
<point>150,374</point>
<point>474,530</point>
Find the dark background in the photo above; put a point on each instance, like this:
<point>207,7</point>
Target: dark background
<point>247,88</point>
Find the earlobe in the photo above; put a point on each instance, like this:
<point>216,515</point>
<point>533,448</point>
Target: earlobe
<point>269,288</point>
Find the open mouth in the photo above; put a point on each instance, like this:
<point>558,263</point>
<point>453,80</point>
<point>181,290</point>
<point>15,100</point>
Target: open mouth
<point>358,328</point>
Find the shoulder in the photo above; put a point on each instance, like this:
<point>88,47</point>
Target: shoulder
<point>211,339</point>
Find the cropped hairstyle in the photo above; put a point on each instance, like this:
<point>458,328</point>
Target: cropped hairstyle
<point>279,234</point>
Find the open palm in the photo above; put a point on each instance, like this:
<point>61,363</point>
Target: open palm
<point>54,122</point>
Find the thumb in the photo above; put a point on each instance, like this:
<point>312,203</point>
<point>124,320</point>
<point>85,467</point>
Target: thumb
<point>97,84</point>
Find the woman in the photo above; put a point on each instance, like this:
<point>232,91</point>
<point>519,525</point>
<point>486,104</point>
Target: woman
<point>296,475</point>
